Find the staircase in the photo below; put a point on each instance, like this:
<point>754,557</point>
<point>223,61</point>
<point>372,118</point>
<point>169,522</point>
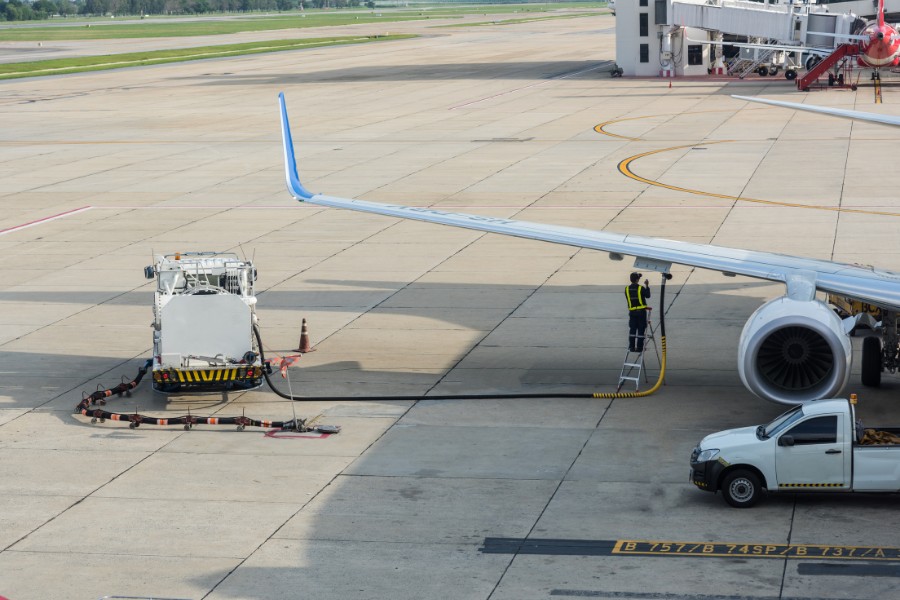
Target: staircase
<point>744,66</point>
<point>841,52</point>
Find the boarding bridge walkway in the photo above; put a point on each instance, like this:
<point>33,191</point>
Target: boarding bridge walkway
<point>775,21</point>
<point>738,17</point>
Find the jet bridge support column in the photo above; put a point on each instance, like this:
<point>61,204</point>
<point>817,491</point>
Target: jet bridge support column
<point>718,67</point>
<point>666,63</point>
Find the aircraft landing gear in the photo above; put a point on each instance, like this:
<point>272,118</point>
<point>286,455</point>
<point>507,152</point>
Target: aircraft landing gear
<point>871,361</point>
<point>881,354</point>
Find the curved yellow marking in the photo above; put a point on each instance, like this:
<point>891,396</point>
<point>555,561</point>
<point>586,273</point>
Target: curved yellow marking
<point>601,128</point>
<point>627,172</point>
<point>624,169</point>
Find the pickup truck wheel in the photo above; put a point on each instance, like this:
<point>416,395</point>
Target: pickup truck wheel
<point>741,489</point>
<point>871,361</point>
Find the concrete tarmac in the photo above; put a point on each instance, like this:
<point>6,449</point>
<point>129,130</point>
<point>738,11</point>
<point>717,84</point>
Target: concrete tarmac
<point>491,499</point>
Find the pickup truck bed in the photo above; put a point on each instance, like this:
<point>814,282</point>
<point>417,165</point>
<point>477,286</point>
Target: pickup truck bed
<point>883,436</point>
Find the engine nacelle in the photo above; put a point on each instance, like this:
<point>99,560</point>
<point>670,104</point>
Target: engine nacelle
<point>794,351</point>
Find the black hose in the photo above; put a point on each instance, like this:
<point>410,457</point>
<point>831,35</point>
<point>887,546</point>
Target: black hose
<point>485,396</point>
<point>100,396</point>
<point>420,397</point>
<point>188,421</point>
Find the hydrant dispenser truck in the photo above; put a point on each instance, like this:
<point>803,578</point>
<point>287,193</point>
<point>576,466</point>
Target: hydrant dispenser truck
<point>204,314</point>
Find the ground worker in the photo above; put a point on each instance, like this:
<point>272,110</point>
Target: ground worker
<point>637,296</point>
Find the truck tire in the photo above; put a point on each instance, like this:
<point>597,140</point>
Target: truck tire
<point>871,361</point>
<point>741,488</point>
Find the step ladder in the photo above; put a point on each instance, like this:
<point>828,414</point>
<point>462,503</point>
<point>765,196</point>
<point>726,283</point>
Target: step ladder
<point>633,363</point>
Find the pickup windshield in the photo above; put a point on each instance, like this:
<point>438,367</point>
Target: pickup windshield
<point>780,422</point>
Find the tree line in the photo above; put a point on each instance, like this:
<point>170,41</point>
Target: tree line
<point>17,10</point>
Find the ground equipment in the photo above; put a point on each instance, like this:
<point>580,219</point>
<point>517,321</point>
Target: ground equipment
<point>820,446</point>
<point>212,276</point>
<point>203,318</point>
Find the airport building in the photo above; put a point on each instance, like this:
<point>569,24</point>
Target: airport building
<point>647,44</point>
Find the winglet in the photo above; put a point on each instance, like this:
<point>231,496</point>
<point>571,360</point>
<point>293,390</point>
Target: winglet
<point>290,162</point>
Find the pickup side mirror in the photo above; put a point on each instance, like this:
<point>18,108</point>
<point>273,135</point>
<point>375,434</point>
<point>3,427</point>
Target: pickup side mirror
<point>786,440</point>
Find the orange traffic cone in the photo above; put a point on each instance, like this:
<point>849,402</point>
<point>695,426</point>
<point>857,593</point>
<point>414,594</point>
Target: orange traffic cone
<point>304,340</point>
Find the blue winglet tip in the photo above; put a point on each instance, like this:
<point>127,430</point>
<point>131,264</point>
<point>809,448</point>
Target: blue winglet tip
<point>290,162</point>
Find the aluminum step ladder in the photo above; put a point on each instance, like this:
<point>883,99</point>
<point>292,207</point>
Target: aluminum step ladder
<point>633,363</point>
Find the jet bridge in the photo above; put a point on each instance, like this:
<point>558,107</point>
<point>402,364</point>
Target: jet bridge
<point>670,33</point>
<point>785,23</point>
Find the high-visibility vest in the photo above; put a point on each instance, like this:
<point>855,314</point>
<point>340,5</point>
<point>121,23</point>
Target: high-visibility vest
<point>635,296</point>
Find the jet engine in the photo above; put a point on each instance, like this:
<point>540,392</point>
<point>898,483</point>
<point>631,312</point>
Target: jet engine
<point>794,351</point>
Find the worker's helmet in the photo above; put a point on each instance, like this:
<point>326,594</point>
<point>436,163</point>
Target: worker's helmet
<point>635,277</point>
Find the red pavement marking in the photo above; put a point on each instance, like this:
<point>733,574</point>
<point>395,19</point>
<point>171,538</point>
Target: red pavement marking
<point>38,222</point>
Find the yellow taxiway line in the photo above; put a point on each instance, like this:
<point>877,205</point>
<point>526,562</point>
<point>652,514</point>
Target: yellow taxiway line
<point>624,168</point>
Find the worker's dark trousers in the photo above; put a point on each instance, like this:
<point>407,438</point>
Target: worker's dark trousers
<point>637,324</point>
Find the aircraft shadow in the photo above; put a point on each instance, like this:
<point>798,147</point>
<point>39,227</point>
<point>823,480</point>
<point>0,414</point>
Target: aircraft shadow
<point>588,320</point>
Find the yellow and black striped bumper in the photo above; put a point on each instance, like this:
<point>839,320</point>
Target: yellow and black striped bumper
<point>811,485</point>
<point>201,376</point>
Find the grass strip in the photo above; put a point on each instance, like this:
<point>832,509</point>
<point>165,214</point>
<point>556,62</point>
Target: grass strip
<point>213,26</point>
<point>98,29</point>
<point>118,61</point>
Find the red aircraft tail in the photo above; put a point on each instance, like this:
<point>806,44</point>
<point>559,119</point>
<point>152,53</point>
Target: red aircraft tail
<point>881,13</point>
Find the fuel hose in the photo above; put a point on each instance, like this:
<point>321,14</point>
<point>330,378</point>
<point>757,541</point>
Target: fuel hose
<point>489,396</point>
<point>89,402</point>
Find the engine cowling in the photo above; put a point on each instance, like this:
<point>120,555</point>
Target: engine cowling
<point>794,351</point>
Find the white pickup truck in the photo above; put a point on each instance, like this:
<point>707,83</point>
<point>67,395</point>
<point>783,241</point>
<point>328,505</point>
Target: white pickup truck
<point>815,447</point>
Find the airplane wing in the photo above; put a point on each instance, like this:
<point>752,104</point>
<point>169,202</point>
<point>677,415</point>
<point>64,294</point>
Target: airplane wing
<point>802,275</point>
<point>824,110</point>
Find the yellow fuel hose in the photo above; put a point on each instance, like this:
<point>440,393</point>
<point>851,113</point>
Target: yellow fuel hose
<point>662,359</point>
<point>656,386</point>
